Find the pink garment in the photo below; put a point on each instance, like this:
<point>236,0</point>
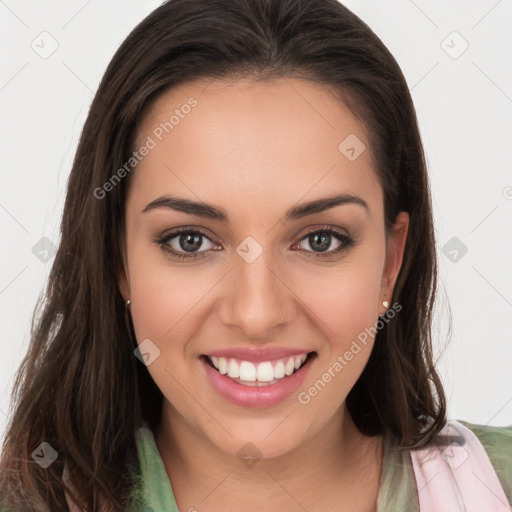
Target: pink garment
<point>458,475</point>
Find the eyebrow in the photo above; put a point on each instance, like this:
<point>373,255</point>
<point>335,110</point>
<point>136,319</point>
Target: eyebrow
<point>212,212</point>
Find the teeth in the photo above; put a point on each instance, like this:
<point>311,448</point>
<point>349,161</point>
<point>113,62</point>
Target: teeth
<point>223,366</point>
<point>264,372</point>
<point>288,369</point>
<point>247,370</point>
<point>279,370</point>
<point>233,369</point>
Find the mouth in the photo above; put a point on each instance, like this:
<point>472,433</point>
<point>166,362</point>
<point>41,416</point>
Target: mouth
<point>265,373</point>
<point>257,384</point>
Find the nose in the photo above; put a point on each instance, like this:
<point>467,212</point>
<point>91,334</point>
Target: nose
<point>258,301</point>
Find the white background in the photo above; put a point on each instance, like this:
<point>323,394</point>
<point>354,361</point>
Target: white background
<point>464,107</point>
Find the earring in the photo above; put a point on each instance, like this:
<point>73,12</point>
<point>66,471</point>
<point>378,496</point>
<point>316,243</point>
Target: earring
<point>127,303</point>
<point>385,303</point>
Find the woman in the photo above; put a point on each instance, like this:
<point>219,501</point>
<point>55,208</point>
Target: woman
<point>239,312</point>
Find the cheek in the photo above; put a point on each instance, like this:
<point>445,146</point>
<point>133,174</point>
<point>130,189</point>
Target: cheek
<point>151,298</point>
<point>168,306</point>
<point>345,306</point>
<point>347,313</point>
<point>161,294</point>
<point>163,312</point>
<point>345,301</point>
<point>157,297</point>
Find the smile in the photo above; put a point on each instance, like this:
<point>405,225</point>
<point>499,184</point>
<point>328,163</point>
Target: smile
<point>257,384</point>
<point>259,374</point>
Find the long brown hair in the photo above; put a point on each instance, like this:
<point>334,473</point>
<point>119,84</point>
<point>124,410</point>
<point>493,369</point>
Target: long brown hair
<point>79,388</point>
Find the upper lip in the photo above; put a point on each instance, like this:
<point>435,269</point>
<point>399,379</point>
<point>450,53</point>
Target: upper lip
<point>257,355</point>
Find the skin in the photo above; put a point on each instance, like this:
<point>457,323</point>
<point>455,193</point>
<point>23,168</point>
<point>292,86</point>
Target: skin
<point>256,150</point>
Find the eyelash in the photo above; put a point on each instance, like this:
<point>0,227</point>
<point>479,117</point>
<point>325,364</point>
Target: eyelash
<point>347,242</point>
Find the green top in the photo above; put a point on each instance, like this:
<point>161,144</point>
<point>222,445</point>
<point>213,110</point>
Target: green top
<point>397,484</point>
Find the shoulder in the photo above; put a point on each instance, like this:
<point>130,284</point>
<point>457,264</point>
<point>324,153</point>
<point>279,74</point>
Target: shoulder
<point>497,442</point>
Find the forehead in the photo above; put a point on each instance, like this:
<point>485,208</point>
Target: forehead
<point>228,140</point>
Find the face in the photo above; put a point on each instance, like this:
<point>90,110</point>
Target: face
<point>254,280</point>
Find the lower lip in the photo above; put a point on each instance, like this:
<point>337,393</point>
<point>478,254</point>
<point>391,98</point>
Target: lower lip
<point>256,396</point>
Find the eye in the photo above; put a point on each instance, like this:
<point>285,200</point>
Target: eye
<point>183,243</point>
<point>188,243</point>
<point>321,240</point>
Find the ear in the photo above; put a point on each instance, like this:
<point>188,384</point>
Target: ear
<point>394,255</point>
